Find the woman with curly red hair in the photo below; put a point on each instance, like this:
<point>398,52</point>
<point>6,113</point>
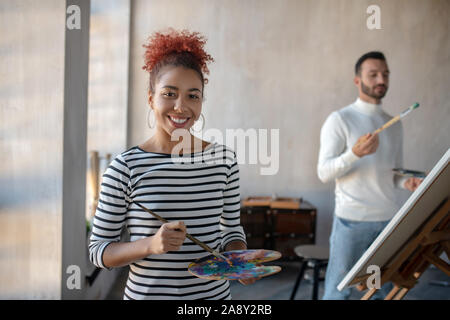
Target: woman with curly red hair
<point>196,196</point>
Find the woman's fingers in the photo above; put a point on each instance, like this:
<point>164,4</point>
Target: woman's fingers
<point>248,281</point>
<point>174,234</point>
<point>170,237</point>
<point>176,225</point>
<point>174,230</point>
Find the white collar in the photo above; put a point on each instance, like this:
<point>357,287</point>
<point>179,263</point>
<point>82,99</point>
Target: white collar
<point>367,108</point>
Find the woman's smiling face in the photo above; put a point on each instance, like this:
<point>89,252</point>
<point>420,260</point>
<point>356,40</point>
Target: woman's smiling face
<point>177,100</point>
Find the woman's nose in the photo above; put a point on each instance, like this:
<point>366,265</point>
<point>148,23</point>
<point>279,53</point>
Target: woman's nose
<point>179,105</point>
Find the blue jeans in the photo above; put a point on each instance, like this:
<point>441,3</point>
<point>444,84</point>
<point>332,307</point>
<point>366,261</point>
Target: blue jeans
<point>348,242</point>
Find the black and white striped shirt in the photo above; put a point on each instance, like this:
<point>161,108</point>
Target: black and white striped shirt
<point>201,189</point>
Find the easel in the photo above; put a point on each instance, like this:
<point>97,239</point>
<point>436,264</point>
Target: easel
<point>415,257</point>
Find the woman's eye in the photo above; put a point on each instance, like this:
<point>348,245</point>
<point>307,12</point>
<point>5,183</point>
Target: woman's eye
<point>194,96</point>
<point>169,94</point>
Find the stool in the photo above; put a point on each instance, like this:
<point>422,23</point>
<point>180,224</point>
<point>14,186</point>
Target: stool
<point>315,257</point>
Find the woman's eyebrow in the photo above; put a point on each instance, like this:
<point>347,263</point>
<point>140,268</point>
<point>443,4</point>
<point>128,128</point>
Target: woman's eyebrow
<point>175,88</point>
<point>170,87</point>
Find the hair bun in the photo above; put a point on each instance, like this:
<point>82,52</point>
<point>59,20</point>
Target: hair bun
<point>163,44</point>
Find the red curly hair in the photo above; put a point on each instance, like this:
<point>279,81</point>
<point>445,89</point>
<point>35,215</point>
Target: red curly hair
<point>177,48</point>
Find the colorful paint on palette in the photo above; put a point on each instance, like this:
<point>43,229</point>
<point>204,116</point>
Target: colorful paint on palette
<point>244,264</point>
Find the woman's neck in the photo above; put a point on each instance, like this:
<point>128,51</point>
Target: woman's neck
<point>184,142</point>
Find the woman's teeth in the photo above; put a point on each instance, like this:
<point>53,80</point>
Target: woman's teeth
<point>178,120</point>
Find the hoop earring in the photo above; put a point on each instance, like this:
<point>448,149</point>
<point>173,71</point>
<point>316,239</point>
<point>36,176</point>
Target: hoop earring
<point>203,124</point>
<point>149,124</point>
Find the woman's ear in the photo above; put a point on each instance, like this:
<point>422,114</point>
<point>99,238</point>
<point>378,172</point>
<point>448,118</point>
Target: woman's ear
<point>150,99</point>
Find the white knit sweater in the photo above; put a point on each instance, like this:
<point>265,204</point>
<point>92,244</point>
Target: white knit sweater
<point>365,187</point>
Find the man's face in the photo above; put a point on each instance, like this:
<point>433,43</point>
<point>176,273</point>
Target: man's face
<point>373,80</point>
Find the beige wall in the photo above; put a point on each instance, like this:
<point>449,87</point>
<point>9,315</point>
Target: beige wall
<point>288,64</point>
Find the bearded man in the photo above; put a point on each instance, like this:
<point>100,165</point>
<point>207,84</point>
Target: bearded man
<point>361,165</point>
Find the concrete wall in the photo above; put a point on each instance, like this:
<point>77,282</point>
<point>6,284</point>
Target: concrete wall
<point>31,148</point>
<point>287,64</point>
<point>45,135</point>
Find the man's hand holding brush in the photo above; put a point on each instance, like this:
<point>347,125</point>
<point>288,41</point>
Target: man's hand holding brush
<point>366,144</point>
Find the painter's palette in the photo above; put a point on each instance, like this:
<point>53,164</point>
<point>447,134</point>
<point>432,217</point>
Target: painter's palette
<point>409,173</point>
<point>244,264</point>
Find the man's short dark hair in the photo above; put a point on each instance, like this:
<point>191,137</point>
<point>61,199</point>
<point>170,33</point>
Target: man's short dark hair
<point>369,55</point>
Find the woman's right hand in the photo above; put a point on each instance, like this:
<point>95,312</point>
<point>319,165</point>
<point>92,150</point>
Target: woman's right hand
<point>169,237</point>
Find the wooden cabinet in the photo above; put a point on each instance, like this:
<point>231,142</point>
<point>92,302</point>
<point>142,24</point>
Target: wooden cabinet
<point>255,221</point>
<point>279,229</point>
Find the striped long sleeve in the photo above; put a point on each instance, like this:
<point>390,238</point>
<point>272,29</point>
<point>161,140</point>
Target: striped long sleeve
<point>111,210</point>
<point>230,221</point>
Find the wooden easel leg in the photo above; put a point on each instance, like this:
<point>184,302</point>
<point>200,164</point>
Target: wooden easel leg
<point>392,293</point>
<point>401,294</point>
<point>369,294</point>
<point>439,263</point>
<point>446,246</point>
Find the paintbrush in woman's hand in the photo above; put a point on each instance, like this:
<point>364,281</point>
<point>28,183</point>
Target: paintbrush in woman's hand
<point>201,244</point>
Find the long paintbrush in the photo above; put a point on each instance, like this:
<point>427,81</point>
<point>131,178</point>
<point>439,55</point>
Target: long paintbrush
<point>201,244</point>
<point>396,118</point>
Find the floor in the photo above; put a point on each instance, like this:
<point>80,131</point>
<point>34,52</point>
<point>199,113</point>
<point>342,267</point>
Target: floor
<point>433,285</point>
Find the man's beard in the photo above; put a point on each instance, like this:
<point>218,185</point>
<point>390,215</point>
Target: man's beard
<point>371,91</point>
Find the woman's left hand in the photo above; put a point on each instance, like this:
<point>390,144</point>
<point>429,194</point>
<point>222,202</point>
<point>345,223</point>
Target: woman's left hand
<point>248,281</point>
<point>239,245</point>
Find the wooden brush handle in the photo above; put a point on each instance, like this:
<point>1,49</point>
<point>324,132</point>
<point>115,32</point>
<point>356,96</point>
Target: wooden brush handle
<point>387,124</point>
<point>201,244</point>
